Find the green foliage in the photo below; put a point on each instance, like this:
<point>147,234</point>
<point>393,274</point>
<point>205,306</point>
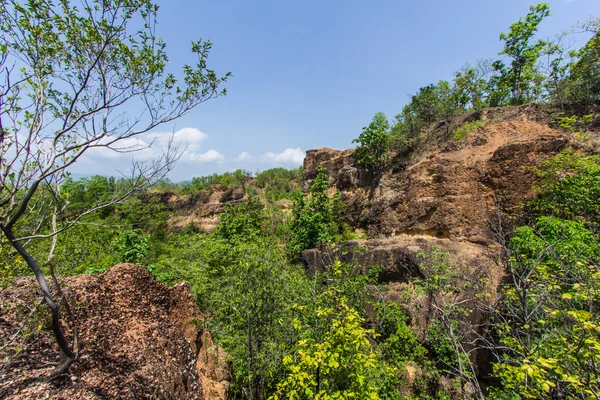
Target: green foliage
<point>520,81</point>
<point>86,249</point>
<point>11,266</point>
<point>336,356</point>
<point>246,297</point>
<point>315,220</point>
<point>530,70</point>
<point>275,184</point>
<point>582,84</point>
<point>242,222</point>
<point>431,104</point>
<point>373,143</point>
<point>569,187</point>
<point>549,326</point>
<point>246,290</point>
<point>341,365</point>
<point>146,212</point>
<point>236,178</point>
<point>85,193</point>
<point>577,125</point>
<point>574,122</point>
<point>465,128</point>
<point>397,342</point>
<point>279,183</point>
<point>452,292</point>
<point>472,85</point>
<point>132,245</point>
<point>228,179</point>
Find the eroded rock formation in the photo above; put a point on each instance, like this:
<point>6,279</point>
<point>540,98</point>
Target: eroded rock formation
<point>201,210</point>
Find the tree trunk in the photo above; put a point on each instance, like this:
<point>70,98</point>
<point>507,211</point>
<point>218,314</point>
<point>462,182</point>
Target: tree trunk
<point>67,354</point>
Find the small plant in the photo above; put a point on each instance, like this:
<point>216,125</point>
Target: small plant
<point>465,128</point>
<point>576,125</point>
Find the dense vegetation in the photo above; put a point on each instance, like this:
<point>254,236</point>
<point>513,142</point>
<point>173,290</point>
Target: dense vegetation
<point>292,336</point>
<point>331,335</point>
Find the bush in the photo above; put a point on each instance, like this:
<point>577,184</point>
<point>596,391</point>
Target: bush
<point>132,245</point>
<point>242,222</point>
<point>279,183</point>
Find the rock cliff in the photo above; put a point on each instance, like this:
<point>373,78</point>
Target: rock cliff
<point>201,210</point>
<point>448,191</point>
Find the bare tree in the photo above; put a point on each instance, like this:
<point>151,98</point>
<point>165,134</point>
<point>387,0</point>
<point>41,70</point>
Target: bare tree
<point>77,76</point>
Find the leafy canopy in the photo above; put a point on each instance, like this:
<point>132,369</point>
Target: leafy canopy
<point>373,143</point>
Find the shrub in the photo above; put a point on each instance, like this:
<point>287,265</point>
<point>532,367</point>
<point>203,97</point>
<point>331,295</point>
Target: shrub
<point>242,222</point>
<point>132,245</point>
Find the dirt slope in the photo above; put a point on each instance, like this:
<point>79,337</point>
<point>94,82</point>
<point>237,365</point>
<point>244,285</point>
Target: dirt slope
<point>140,340</point>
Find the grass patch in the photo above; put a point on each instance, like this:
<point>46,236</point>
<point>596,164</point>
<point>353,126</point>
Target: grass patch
<point>465,128</point>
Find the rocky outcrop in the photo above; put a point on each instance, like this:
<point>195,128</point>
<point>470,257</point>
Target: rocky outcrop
<point>201,210</point>
<point>139,339</point>
<point>399,257</point>
<point>448,192</point>
<point>340,167</point>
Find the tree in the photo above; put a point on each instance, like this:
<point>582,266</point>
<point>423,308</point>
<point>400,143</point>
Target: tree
<point>242,222</point>
<point>430,104</point>
<point>373,143</point>
<point>520,81</point>
<point>314,220</point>
<point>337,355</point>
<point>471,84</point>
<point>71,71</point>
<point>582,83</point>
<point>342,365</point>
<point>548,321</point>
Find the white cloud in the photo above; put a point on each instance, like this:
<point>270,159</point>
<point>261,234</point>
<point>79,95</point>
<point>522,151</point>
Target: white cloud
<point>288,156</point>
<point>191,136</point>
<point>147,146</point>
<point>196,159</point>
<point>244,157</point>
<point>211,156</point>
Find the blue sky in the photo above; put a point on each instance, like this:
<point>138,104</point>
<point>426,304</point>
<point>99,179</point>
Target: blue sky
<point>310,74</point>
